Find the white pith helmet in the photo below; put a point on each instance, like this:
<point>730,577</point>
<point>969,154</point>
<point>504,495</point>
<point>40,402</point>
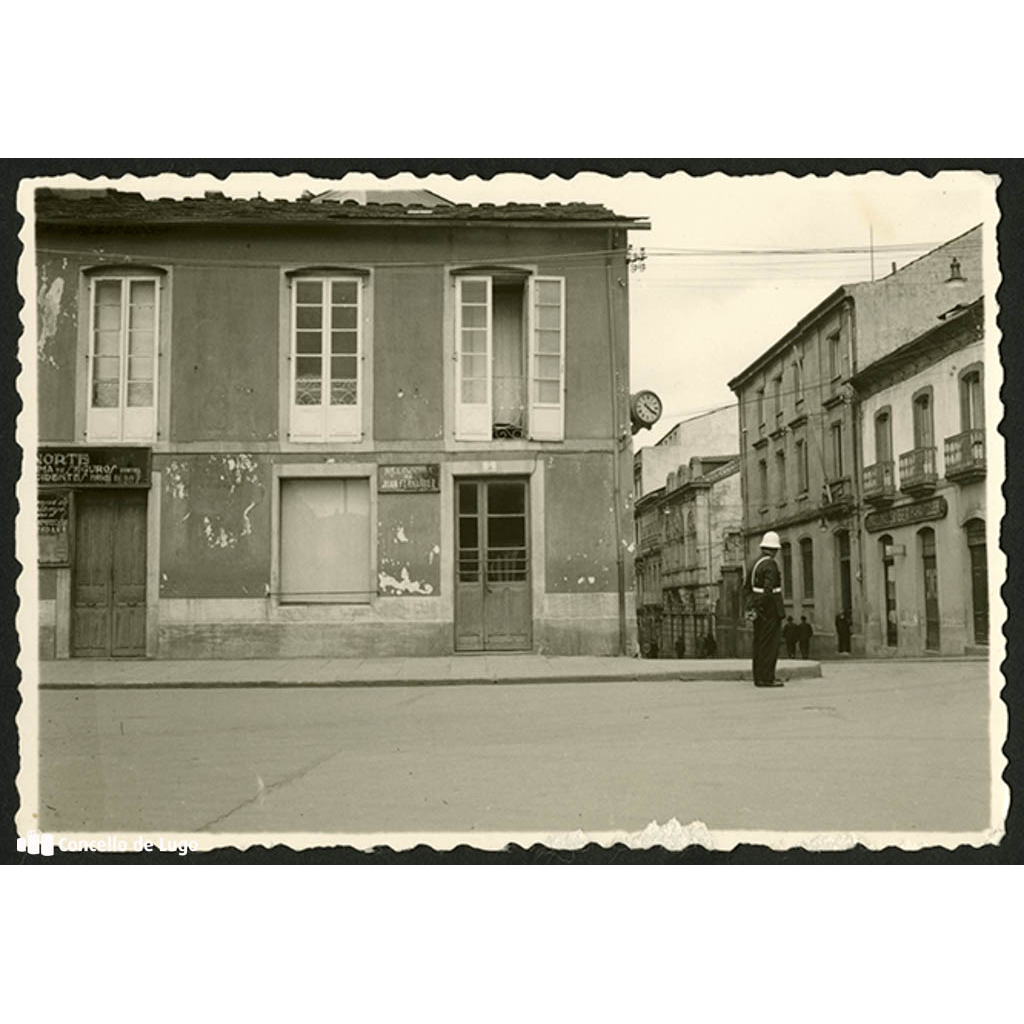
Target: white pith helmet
<point>771,540</point>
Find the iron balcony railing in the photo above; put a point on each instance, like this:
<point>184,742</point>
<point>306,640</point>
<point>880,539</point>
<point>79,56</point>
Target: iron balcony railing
<point>917,470</point>
<point>879,481</point>
<point>965,455</point>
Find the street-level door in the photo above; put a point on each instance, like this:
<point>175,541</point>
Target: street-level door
<point>979,578</point>
<point>493,609</point>
<point>931,589</point>
<point>108,602</point>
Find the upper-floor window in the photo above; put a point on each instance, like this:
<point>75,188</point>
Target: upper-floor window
<point>837,449</point>
<point>326,358</point>
<point>801,466</point>
<point>883,436</point>
<point>510,356</point>
<point>759,395</point>
<point>972,399</point>
<point>777,388</point>
<point>762,481</point>
<point>780,477</point>
<point>798,377</point>
<point>124,346</point>
<point>924,428</point>
<point>835,356</point>
<point>807,566</point>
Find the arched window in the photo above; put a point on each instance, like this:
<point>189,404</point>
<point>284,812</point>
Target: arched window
<point>972,397</point>
<point>883,435</point>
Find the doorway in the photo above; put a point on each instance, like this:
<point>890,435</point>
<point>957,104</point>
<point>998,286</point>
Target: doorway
<point>108,585</point>
<point>493,610</point>
<point>979,578</point>
<point>929,563</point>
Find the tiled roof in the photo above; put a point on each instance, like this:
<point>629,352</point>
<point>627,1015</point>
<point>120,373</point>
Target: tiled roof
<point>108,206</point>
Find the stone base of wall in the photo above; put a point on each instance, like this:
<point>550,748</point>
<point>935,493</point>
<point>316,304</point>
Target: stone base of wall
<point>304,640</point>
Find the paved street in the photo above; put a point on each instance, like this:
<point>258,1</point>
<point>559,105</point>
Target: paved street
<point>868,747</point>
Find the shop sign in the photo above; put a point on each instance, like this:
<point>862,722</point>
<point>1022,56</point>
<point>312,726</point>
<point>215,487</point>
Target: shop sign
<point>93,467</point>
<point>409,479</point>
<point>905,515</point>
<point>52,516</point>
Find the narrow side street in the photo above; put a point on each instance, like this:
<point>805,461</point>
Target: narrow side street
<point>868,747</point>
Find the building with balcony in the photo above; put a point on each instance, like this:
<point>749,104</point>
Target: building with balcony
<point>689,552</point>
<point>803,468</point>
<point>345,425</point>
<point>923,436</point>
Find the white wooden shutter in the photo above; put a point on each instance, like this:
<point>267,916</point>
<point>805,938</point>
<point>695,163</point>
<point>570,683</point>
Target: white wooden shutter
<point>306,376</point>
<point>473,347</point>
<point>547,358</point>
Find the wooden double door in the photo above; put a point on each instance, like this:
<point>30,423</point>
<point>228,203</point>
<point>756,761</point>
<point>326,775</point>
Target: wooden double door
<point>493,608</point>
<point>108,583</point>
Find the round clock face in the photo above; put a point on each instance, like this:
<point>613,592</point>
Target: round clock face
<point>648,407</point>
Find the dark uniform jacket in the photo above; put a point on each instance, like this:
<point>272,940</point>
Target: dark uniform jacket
<point>764,589</point>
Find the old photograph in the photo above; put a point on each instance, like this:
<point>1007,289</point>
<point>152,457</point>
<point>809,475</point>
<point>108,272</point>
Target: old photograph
<point>436,509</point>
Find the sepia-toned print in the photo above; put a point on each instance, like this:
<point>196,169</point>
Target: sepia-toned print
<point>451,511</point>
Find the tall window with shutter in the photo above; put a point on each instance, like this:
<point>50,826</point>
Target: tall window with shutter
<point>509,357</point>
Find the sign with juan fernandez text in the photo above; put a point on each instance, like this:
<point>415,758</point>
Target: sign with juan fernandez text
<point>409,479</point>
<point>93,467</point>
<point>904,515</point>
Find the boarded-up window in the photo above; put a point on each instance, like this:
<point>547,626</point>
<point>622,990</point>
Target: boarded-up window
<point>325,541</point>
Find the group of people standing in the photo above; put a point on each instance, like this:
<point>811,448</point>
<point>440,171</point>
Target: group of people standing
<point>797,634</point>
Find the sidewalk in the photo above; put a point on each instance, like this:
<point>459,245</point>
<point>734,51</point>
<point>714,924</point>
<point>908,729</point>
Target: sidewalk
<point>440,671</point>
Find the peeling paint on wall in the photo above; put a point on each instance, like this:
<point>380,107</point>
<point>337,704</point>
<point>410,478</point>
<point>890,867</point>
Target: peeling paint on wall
<point>387,584</point>
<point>400,536</point>
<point>50,296</point>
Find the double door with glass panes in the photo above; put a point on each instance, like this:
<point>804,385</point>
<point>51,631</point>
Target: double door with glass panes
<point>493,610</point>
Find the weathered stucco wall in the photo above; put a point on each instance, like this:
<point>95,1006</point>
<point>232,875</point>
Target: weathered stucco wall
<point>409,545</point>
<point>408,354</point>
<point>215,525</point>
<point>56,344</point>
<point>224,354</point>
<point>579,525</point>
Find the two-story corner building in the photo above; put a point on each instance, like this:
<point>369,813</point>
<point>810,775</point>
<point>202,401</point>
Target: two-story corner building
<point>331,427</point>
<point>923,439</point>
<point>689,535</point>
<point>800,451</point>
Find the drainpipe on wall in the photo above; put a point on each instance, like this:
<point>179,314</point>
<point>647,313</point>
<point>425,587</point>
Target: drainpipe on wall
<point>617,449</point>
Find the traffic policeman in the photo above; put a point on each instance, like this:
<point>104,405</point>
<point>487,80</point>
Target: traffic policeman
<point>766,610</point>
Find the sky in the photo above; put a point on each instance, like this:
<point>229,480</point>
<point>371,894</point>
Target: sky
<point>697,319</point>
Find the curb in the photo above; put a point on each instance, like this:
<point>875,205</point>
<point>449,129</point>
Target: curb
<point>804,672</point>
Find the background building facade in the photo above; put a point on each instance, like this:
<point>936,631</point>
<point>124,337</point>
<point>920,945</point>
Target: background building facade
<point>331,427</point>
<point>923,434</point>
<point>689,534</point>
<point>800,446</point>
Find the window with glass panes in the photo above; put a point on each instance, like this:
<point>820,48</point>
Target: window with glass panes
<point>326,358</point>
<point>123,351</point>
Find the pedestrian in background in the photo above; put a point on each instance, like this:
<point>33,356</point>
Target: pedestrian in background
<point>806,631</point>
<point>790,634</point>
<point>844,628</point>
<point>766,610</point>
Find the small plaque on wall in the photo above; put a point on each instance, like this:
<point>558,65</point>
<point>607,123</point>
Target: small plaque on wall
<point>422,479</point>
<point>52,516</point>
